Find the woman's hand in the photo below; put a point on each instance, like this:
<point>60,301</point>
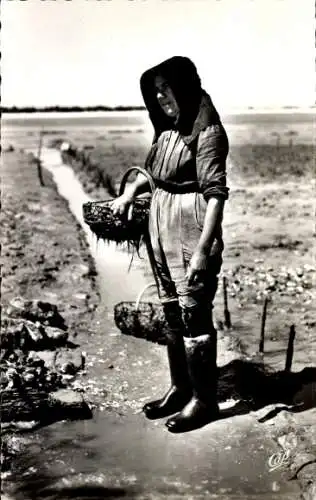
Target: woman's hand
<point>121,204</point>
<point>197,267</point>
<point>199,260</point>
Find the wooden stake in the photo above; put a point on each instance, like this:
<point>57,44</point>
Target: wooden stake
<point>38,159</point>
<point>263,325</point>
<point>290,349</point>
<point>227,320</point>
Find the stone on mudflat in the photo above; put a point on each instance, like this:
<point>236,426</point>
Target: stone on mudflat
<point>69,404</point>
<point>56,336</point>
<point>47,357</point>
<point>69,362</point>
<point>43,407</point>
<point>35,334</point>
<point>27,335</point>
<point>29,377</point>
<point>36,310</point>
<point>20,333</point>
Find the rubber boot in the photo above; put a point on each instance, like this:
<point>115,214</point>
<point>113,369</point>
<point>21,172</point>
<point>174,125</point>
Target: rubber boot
<point>201,352</point>
<point>180,391</point>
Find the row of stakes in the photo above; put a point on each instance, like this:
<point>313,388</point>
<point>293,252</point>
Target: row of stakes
<point>290,346</point>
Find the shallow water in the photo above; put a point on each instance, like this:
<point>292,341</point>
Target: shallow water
<point>112,263</point>
<point>111,457</point>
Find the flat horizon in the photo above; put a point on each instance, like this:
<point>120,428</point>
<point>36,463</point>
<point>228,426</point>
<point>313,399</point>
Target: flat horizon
<point>15,108</point>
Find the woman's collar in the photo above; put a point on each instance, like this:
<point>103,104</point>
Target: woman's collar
<point>205,117</point>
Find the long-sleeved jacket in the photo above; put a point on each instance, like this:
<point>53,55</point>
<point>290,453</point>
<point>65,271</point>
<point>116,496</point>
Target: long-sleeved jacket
<point>191,163</point>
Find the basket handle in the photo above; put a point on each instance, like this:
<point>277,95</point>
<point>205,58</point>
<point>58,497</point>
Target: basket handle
<point>142,171</point>
<point>124,180</point>
<point>147,241</point>
<point>141,293</point>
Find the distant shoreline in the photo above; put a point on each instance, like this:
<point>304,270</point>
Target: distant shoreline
<point>14,110</point>
<point>67,109</point>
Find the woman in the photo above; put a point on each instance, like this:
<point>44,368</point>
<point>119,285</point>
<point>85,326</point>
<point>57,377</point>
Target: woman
<point>187,162</point>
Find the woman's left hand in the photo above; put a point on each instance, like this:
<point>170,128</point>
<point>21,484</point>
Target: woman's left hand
<point>197,267</point>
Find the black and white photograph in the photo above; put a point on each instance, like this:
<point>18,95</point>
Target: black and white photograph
<point>158,262</point>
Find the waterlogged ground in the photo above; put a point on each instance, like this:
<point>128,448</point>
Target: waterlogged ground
<point>269,236</point>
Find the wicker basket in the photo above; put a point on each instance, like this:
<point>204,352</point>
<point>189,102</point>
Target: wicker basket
<point>141,319</point>
<point>119,228</point>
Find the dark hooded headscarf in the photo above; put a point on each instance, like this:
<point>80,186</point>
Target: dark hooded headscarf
<point>184,81</point>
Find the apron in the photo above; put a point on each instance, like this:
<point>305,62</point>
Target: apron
<point>175,225</point>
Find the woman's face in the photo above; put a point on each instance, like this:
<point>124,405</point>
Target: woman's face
<point>166,97</point>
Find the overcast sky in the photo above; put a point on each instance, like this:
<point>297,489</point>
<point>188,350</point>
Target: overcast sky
<point>89,52</point>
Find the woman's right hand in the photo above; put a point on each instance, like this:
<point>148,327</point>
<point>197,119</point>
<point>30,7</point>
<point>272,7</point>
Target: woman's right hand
<point>121,204</point>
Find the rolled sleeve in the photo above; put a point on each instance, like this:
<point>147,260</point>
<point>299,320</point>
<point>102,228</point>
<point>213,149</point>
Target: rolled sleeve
<point>212,151</point>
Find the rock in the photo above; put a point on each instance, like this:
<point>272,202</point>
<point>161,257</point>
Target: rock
<point>25,425</point>
<point>28,377</point>
<point>54,379</point>
<point>17,356</point>
<point>34,332</point>
<point>67,368</point>
<point>81,296</point>
<point>25,334</point>
<point>42,407</point>
<point>69,362</point>
<point>66,397</point>
<point>35,360</point>
<point>20,333</point>
<point>34,207</point>
<point>70,404</point>
<point>10,377</point>
<point>36,310</point>
<point>56,336</point>
<point>47,357</point>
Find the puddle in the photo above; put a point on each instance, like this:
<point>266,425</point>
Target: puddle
<point>137,459</point>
